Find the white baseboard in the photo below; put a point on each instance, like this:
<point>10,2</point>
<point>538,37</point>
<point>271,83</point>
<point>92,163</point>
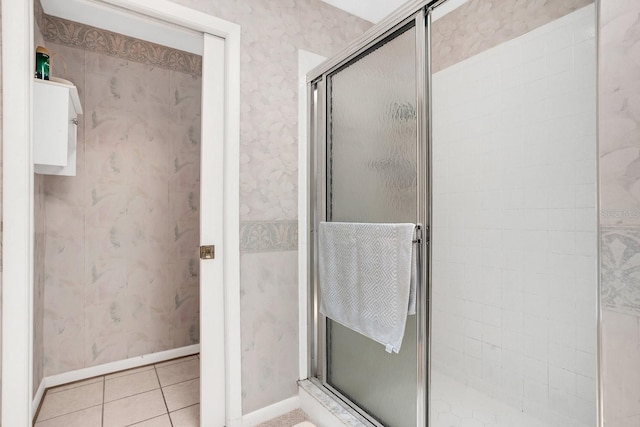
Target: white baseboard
<point>37,398</point>
<point>109,368</point>
<point>270,412</point>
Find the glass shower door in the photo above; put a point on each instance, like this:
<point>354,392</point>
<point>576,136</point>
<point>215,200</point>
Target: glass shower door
<point>372,177</point>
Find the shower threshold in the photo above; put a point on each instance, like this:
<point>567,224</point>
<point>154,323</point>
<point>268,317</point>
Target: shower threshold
<point>324,409</point>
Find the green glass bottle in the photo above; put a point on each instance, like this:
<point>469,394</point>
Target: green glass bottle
<point>42,63</point>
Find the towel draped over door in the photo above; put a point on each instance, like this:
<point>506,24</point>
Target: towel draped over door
<point>366,278</point>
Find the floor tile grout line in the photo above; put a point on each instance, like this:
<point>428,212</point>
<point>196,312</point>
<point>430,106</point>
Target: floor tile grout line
<point>164,399</point>
<point>149,367</point>
<point>138,393</point>
<point>52,390</point>
<point>48,394</point>
<point>180,382</point>
<point>131,395</point>
<point>182,409</point>
<point>148,419</point>
<point>188,406</point>
<point>68,413</point>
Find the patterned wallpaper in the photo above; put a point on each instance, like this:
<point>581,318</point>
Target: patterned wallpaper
<point>268,236</point>
<point>91,39</point>
<point>491,23</point>
<point>620,113</point>
<point>619,136</point>
<point>619,144</point>
<point>272,31</point>
<point>38,265</point>
<point>620,257</point>
<point>38,281</point>
<point>122,236</point>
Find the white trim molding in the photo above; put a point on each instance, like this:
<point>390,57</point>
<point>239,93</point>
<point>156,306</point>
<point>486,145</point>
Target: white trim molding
<point>37,399</point>
<point>233,346</point>
<point>17,204</point>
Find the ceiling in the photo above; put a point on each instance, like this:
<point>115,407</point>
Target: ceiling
<point>376,10</point>
<point>371,10</point>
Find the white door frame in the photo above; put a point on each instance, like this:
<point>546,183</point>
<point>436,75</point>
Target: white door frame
<point>17,205</point>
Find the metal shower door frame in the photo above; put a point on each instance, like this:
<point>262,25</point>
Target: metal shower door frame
<point>415,15</point>
<point>422,11</point>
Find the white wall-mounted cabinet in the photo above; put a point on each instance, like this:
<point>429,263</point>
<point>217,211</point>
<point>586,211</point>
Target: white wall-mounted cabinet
<point>56,106</point>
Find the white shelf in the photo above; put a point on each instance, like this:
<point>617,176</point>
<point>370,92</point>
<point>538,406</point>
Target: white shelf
<point>56,106</point>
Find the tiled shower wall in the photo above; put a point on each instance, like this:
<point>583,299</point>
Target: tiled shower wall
<point>121,257</point>
<point>619,143</point>
<point>514,275</point>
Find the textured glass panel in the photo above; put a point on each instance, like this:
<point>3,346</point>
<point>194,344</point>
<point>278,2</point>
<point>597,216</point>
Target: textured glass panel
<point>372,178</point>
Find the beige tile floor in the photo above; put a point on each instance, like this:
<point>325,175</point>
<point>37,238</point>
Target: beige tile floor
<point>162,395</point>
<point>296,418</point>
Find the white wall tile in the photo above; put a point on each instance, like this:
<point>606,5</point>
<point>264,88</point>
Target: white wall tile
<point>491,335</point>
<point>559,61</point>
<point>519,180</point>
<point>561,332</point>
<point>535,392</point>
<point>513,321</point>
<point>562,356</point>
<point>585,364</point>
<point>535,69</point>
<point>586,243</point>
<point>472,347</point>
<point>562,379</point>
<point>586,217</point>
<point>563,242</point>
<point>536,347</point>
<point>585,389</point>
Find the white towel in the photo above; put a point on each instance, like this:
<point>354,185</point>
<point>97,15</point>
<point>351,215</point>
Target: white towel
<point>365,273</point>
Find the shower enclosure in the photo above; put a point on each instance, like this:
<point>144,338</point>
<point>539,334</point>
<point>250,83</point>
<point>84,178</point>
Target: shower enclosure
<point>479,124</point>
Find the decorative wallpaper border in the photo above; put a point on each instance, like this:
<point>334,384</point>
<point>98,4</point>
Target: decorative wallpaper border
<point>268,236</point>
<point>38,13</point>
<point>74,34</point>
<point>620,264</point>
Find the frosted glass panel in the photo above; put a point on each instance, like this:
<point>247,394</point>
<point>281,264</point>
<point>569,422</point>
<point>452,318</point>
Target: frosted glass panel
<point>373,136</point>
<point>372,178</point>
